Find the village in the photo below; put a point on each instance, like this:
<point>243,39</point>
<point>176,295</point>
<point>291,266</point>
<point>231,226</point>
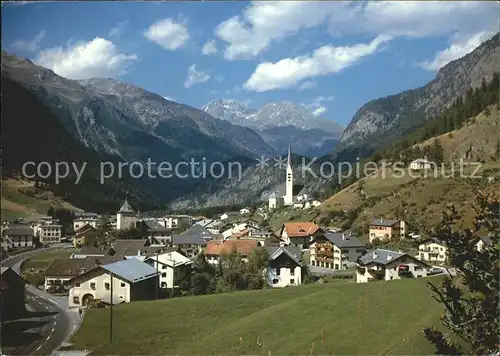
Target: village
<point>131,256</point>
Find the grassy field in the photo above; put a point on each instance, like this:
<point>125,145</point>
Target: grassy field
<point>342,318</point>
<point>20,199</point>
<point>43,260</point>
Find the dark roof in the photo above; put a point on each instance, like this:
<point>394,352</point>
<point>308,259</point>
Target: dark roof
<point>18,230</point>
<point>486,239</point>
<point>433,239</point>
<point>196,239</point>
<point>383,222</point>
<point>383,257</point>
<point>6,271</point>
<point>126,208</point>
<point>198,230</point>
<point>293,252</point>
<point>85,229</point>
<point>128,247</point>
<point>344,240</point>
<point>91,251</point>
<point>155,226</point>
<point>72,267</point>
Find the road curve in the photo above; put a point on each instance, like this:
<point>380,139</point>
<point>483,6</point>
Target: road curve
<point>45,326</point>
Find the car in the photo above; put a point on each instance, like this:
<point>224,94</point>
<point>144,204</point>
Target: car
<point>435,270</point>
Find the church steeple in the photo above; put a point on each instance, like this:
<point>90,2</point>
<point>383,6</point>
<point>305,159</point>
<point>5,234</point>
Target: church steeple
<point>289,179</point>
<point>289,161</point>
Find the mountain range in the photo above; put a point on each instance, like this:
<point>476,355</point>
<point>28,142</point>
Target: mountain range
<point>280,124</point>
<point>380,121</point>
<point>126,123</point>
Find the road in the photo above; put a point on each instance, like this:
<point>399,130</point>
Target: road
<point>43,328</point>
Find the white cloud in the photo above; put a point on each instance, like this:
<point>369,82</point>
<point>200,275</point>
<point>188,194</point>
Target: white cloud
<point>308,84</point>
<point>96,58</point>
<point>32,45</point>
<point>459,48</point>
<point>316,106</point>
<point>325,60</point>
<point>261,23</point>
<point>209,48</point>
<point>117,31</point>
<point>195,76</point>
<point>168,33</point>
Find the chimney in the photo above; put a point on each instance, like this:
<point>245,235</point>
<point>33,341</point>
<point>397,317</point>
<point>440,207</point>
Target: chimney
<point>343,236</point>
<point>375,255</point>
<point>389,257</point>
<point>381,220</point>
<point>138,252</point>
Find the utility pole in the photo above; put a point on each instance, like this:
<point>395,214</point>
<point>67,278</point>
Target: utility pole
<point>158,281</point>
<point>111,313</point>
<point>173,276</point>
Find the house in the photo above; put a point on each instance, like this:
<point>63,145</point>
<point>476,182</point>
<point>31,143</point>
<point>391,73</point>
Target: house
<point>12,294</point>
<point>244,211</point>
<point>252,223</point>
<point>126,217</point>
<point>21,235</point>
<point>420,163</point>
<point>306,203</point>
<point>299,234</point>
<point>276,201</point>
<point>214,226</point>
<point>483,242</point>
<point>381,264</point>
<point>81,235</point>
<point>386,229</point>
<point>172,266</point>
<point>118,282</point>
<point>48,230</point>
<point>199,230</point>
<point>432,250</point>
<point>285,268</point>
<point>154,229</point>
<point>228,215</point>
<point>61,270</point>
<point>335,250</point>
<point>190,245</point>
<point>83,219</point>
<point>129,247</point>
<point>89,251</point>
<point>215,249</point>
<point>177,221</point>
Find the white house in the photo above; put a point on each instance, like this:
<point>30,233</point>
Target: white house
<point>19,235</point>
<point>285,268</point>
<point>335,250</point>
<point>483,242</point>
<point>118,282</point>
<point>420,163</point>
<point>172,266</point>
<point>244,211</point>
<point>432,250</point>
<point>381,264</point>
<point>276,201</point>
<point>83,219</point>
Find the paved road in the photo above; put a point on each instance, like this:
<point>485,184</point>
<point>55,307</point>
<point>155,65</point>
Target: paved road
<point>43,328</point>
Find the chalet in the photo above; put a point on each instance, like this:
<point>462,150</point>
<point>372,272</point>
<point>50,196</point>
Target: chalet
<point>299,234</point>
<point>61,270</point>
<point>173,267</point>
<point>20,235</point>
<point>81,235</point>
<point>216,249</point>
<point>483,243</point>
<point>12,294</point>
<point>118,282</point>
<point>335,251</point>
<point>432,250</point>
<point>190,245</point>
<point>381,264</point>
<point>386,229</point>
<point>285,268</point>
<point>420,164</point>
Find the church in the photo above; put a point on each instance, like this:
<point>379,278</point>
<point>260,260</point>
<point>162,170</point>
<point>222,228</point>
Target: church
<point>287,194</point>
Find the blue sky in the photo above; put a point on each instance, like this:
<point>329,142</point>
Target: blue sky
<point>331,57</point>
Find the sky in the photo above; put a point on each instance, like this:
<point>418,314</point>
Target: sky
<point>331,57</point>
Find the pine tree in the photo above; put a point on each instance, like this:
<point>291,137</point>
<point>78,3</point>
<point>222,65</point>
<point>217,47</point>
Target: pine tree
<point>471,299</point>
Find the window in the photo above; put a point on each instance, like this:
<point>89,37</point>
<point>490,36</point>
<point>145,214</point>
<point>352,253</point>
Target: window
<point>163,267</point>
<point>92,286</point>
<point>292,272</point>
<point>278,271</point>
<point>76,300</point>
<point>164,274</point>
<point>164,284</point>
<point>292,281</point>
<point>275,281</point>
<point>107,285</point>
<point>122,284</point>
<point>77,284</point>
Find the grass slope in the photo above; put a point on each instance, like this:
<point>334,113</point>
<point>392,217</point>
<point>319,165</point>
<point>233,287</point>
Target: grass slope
<point>44,259</point>
<point>338,318</point>
<point>20,199</point>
